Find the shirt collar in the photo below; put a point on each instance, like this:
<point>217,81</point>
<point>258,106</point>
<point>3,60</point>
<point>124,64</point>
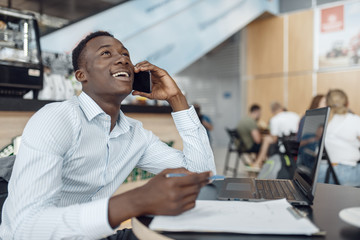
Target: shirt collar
<point>89,106</point>
<point>91,109</point>
<point>122,125</point>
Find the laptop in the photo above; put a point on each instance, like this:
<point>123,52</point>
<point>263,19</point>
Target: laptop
<point>301,189</point>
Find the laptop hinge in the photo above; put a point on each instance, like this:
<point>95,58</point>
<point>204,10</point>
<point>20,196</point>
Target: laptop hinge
<point>301,187</point>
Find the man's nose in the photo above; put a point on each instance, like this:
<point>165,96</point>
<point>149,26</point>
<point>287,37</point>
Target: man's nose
<point>122,60</point>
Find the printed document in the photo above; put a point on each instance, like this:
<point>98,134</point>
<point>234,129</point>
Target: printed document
<point>269,217</point>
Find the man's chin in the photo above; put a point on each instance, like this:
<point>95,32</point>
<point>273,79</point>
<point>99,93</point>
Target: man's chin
<point>125,93</point>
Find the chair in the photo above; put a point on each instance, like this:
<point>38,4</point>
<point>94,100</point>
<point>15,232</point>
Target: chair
<point>236,145</point>
<point>291,147</point>
<point>288,151</point>
<point>6,165</point>
<point>330,169</point>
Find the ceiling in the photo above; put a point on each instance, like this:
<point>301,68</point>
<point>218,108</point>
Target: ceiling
<point>53,14</point>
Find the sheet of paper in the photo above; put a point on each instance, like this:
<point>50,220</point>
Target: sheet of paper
<point>269,217</point>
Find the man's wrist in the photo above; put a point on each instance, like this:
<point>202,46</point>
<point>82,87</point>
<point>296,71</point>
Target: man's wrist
<point>178,102</point>
<point>123,207</point>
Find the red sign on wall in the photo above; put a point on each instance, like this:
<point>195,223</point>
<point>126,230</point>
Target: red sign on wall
<point>332,19</point>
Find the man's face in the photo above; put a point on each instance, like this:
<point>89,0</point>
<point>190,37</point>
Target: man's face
<point>108,70</point>
<point>257,115</point>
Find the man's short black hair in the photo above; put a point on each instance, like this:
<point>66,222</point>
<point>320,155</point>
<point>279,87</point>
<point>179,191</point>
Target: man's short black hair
<point>76,53</point>
<point>254,107</point>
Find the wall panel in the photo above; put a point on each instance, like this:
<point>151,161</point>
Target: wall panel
<point>301,41</point>
<point>348,81</point>
<point>299,93</point>
<point>11,125</point>
<point>265,46</point>
<point>263,91</point>
<point>267,76</point>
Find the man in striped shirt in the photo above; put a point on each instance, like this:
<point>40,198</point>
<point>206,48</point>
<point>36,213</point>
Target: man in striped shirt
<point>75,154</point>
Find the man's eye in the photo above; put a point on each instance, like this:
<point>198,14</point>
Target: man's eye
<point>126,54</point>
<point>106,53</point>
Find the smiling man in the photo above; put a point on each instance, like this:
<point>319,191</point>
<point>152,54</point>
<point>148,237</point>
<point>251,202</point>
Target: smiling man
<point>76,153</point>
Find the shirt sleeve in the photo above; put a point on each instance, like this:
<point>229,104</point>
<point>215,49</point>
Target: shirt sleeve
<point>274,131</point>
<point>196,156</point>
<point>32,209</point>
<point>252,125</point>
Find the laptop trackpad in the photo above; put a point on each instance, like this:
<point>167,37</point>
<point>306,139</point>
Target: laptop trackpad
<point>237,189</point>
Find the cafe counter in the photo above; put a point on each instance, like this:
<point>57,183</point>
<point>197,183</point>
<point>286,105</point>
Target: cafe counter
<point>15,112</point>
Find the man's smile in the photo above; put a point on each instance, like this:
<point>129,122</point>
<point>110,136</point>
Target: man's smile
<point>121,75</point>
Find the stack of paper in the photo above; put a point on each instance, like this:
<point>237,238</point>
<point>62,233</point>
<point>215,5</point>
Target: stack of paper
<point>269,217</point>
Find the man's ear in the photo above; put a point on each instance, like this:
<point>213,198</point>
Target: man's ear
<point>80,76</point>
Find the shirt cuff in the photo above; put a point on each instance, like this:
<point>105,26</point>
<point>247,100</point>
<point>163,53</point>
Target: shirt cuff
<point>94,219</point>
<point>186,119</point>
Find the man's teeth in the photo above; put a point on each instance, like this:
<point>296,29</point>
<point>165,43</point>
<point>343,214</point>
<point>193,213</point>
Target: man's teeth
<point>121,74</point>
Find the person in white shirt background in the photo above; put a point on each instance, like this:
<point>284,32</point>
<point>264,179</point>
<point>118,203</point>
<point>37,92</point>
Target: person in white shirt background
<point>342,141</point>
<point>75,154</point>
<point>283,123</point>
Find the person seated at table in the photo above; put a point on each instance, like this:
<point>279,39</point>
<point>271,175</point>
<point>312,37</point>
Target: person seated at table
<point>342,141</point>
<point>283,123</point>
<point>249,132</point>
<point>205,120</point>
<point>75,154</point>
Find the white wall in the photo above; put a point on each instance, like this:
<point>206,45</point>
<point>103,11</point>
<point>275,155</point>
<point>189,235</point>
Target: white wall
<point>214,82</point>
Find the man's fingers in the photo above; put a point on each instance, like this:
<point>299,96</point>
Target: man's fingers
<point>191,179</point>
<point>175,170</point>
<point>189,206</point>
<point>146,66</point>
<point>191,191</point>
<point>142,94</point>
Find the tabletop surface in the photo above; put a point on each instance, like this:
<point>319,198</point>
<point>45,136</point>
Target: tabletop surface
<point>329,201</point>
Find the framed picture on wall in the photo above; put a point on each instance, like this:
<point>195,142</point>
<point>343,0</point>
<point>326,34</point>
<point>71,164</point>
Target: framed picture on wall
<point>339,36</point>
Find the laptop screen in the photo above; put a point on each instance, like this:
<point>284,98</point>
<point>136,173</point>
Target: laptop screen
<point>311,144</point>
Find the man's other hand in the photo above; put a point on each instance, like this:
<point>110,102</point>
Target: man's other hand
<point>163,87</point>
<point>173,195</point>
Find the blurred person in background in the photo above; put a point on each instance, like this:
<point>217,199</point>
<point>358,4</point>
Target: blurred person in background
<point>342,141</point>
<point>205,120</point>
<point>283,123</point>
<point>318,101</point>
<point>250,134</point>
<point>249,131</point>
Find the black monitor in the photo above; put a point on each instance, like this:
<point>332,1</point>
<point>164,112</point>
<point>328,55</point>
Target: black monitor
<point>20,53</point>
<point>311,148</point>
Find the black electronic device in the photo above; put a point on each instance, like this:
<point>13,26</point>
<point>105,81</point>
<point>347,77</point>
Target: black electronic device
<point>301,189</point>
<point>142,82</point>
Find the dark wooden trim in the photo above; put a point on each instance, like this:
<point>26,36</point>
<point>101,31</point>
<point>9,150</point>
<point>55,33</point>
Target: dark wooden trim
<point>29,105</point>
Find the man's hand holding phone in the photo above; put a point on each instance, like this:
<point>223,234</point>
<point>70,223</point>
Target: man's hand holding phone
<point>163,86</point>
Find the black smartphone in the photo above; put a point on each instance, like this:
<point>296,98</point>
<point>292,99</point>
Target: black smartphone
<point>142,81</point>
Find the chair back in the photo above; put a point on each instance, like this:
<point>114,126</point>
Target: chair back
<point>291,145</point>
<point>330,169</point>
<point>6,165</point>
<point>236,144</point>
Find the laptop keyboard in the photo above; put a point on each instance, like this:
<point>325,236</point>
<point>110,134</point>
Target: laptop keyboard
<point>275,189</point>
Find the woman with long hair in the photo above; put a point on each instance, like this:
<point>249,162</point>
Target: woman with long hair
<point>342,140</point>
<point>318,101</point>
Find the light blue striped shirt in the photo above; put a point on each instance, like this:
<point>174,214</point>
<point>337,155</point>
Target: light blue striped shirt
<point>69,164</point>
